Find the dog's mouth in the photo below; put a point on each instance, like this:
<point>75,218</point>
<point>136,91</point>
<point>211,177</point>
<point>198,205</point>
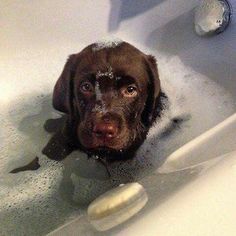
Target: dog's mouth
<point>114,149</point>
<point>107,153</point>
<point>100,142</point>
<point>106,150</point>
<point>118,151</point>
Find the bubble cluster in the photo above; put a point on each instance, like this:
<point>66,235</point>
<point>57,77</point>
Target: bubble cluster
<point>107,43</point>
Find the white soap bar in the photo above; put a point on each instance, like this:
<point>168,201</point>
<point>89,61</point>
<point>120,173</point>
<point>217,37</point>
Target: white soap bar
<point>117,205</point>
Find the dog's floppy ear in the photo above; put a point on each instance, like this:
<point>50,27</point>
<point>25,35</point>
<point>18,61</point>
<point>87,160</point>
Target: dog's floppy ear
<point>63,90</point>
<point>150,112</point>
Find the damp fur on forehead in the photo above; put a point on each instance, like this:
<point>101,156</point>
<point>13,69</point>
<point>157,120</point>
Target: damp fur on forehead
<point>98,91</point>
<point>106,43</point>
<point>109,73</point>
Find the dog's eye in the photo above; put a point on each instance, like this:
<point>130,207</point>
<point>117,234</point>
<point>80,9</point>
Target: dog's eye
<point>130,91</point>
<point>86,87</point>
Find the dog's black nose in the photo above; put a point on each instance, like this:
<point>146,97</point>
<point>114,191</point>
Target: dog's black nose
<point>104,130</point>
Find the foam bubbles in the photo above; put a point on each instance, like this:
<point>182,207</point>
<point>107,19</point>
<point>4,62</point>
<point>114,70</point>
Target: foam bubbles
<point>107,43</point>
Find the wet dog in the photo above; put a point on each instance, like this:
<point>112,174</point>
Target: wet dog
<point>111,95</point>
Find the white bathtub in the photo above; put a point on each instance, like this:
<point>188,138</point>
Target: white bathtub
<point>193,192</point>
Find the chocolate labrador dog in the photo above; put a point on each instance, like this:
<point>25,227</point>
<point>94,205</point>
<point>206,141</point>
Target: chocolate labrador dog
<point>112,96</point>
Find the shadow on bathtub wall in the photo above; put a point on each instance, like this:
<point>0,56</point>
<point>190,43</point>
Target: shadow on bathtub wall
<point>206,56</point>
<point>125,9</point>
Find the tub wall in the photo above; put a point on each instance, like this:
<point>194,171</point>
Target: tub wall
<point>67,26</point>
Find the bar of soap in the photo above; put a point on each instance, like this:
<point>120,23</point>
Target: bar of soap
<point>117,205</point>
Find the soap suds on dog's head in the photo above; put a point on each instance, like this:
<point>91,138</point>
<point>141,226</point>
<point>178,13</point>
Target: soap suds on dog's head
<point>107,43</point>
<point>109,73</point>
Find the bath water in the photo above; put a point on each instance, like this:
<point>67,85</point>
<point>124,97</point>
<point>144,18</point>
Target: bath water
<point>37,202</point>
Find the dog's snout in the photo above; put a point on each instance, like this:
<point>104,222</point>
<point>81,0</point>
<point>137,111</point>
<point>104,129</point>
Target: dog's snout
<point>105,130</point>
<point>106,127</point>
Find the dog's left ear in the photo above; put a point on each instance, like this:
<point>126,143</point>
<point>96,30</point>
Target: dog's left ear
<point>154,88</point>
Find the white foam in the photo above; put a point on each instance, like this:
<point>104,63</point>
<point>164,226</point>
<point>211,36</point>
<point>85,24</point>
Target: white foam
<point>107,43</point>
<point>108,73</point>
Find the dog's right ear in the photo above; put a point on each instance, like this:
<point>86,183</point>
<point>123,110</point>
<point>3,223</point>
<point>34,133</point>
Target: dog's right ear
<point>63,90</point>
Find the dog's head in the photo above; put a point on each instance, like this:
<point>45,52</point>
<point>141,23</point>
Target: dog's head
<point>110,95</point>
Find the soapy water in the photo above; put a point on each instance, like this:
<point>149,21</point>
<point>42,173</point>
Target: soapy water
<point>106,43</point>
<point>36,202</point>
